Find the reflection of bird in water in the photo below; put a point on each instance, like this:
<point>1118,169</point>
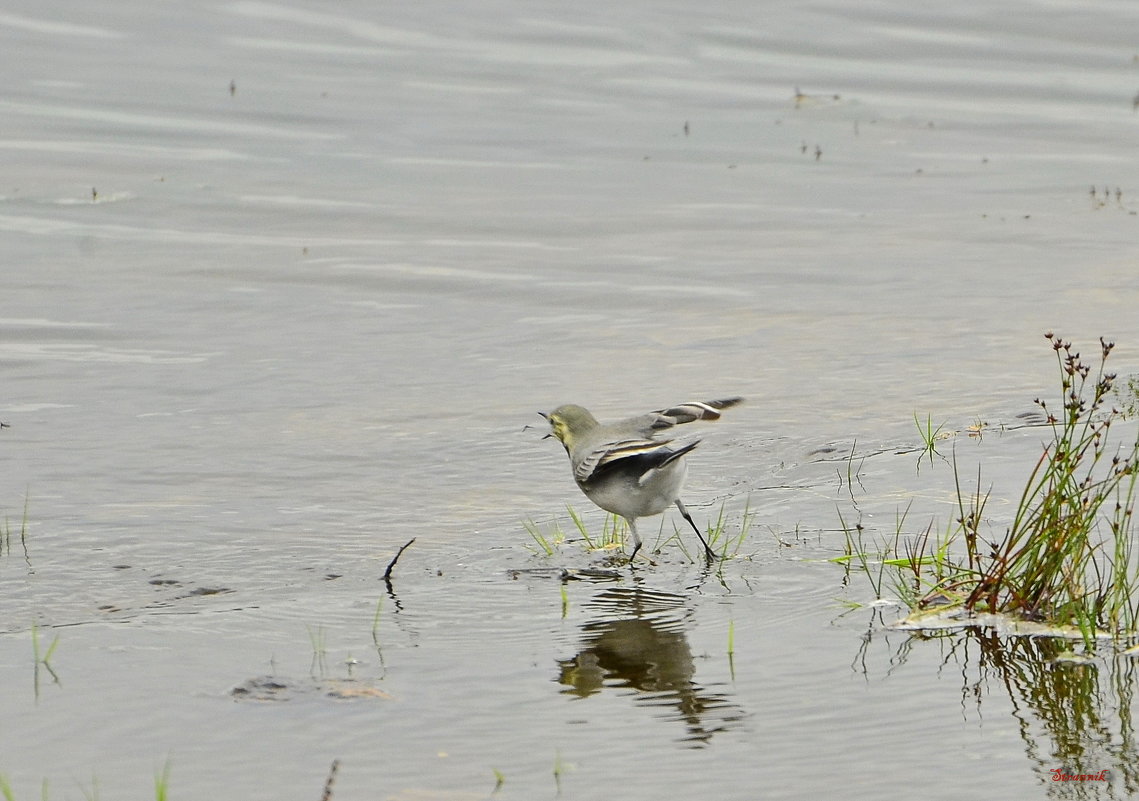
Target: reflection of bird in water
<point>642,645</point>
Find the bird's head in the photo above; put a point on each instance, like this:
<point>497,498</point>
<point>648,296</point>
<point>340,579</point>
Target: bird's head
<point>569,422</point>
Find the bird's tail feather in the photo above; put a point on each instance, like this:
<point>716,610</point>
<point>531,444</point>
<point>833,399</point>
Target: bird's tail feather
<point>693,411</point>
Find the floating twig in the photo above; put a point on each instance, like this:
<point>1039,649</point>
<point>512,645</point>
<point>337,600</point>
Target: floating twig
<point>398,554</point>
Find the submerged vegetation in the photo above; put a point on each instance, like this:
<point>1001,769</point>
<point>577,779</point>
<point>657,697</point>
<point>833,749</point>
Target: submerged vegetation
<point>1066,559</point>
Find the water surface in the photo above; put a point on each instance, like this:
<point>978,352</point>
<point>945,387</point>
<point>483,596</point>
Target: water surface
<point>284,284</point>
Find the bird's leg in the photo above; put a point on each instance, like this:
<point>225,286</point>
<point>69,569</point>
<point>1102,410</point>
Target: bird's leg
<point>709,554</point>
<point>632,521</point>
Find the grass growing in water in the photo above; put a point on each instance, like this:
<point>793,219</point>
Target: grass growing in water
<point>162,782</point>
<point>724,542</point>
<point>559,769</point>
<point>732,648</point>
<point>319,664</point>
<point>6,533</point>
<point>161,787</point>
<point>929,437</point>
<point>1129,396</point>
<point>1067,558</point>
<point>42,658</point>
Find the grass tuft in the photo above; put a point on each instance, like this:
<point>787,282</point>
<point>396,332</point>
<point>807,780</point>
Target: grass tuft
<point>722,537</point>
<point>42,659</point>
<point>162,782</point>
<point>6,533</point>
<point>548,543</point>
<point>319,665</point>
<point>1067,559</point>
<point>929,437</point>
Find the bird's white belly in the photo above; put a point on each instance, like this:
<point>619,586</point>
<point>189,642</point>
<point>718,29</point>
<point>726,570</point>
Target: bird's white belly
<point>623,494</point>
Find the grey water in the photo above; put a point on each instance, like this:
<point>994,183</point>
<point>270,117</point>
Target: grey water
<point>283,284</point>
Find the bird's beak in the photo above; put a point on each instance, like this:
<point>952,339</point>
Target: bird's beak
<point>546,417</point>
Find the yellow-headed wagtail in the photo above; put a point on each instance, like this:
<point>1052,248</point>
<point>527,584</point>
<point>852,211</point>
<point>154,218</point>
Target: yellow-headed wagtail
<point>623,469</point>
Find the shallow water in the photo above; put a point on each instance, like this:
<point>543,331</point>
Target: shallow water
<point>256,338</point>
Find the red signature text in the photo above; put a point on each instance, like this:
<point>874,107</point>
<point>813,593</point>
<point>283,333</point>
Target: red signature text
<point>1058,775</point>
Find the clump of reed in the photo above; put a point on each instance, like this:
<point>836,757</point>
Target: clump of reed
<point>1067,558</point>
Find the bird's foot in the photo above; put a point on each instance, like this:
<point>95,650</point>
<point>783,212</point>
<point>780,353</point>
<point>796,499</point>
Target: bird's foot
<point>633,555</point>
